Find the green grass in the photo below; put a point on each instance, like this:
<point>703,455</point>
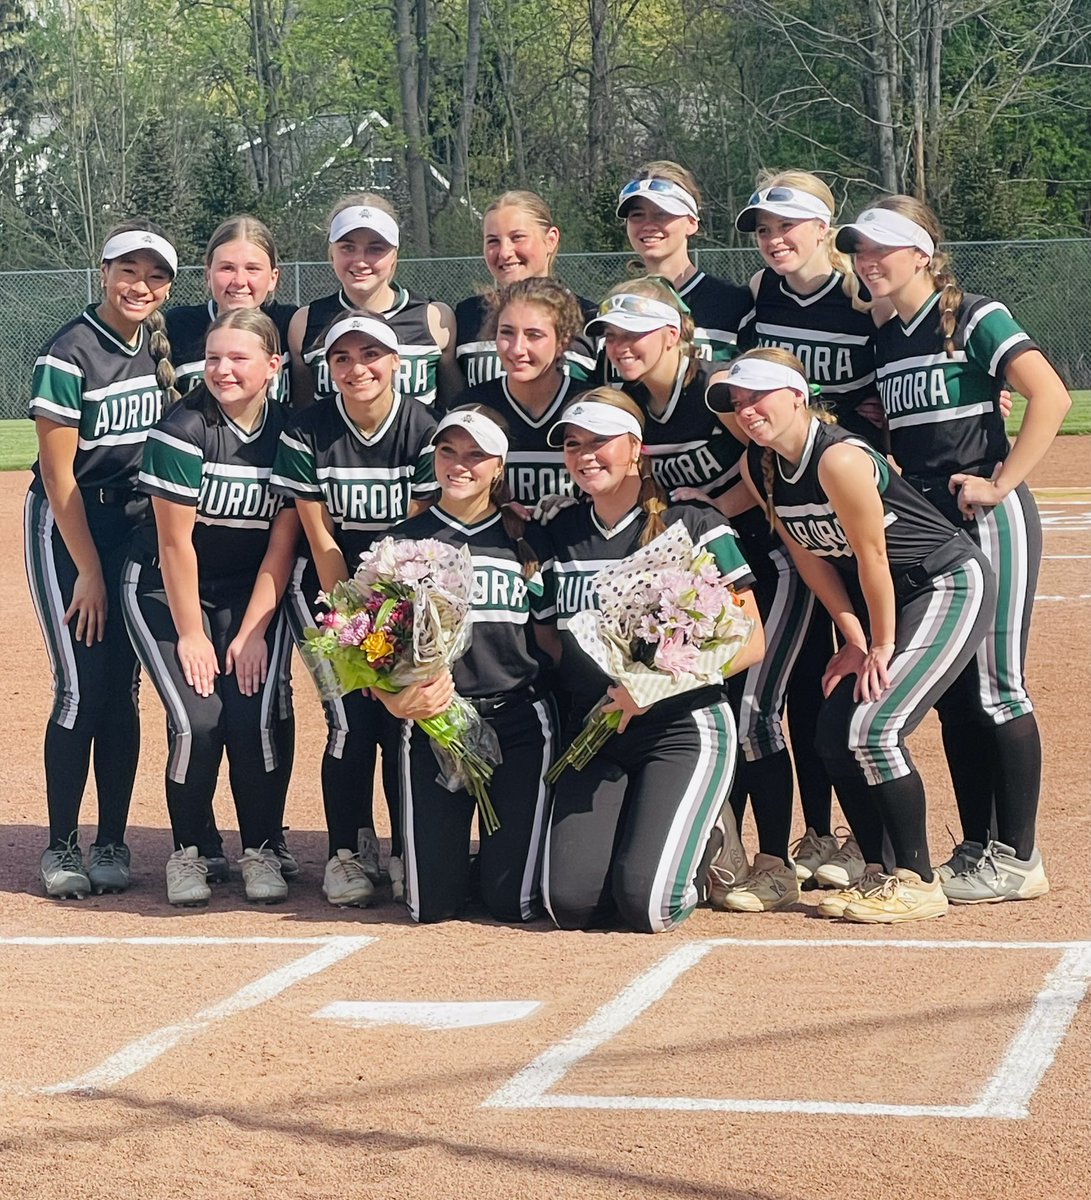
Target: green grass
<point>19,448</point>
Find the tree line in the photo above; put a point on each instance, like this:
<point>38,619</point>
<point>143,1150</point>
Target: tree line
<point>187,110</point>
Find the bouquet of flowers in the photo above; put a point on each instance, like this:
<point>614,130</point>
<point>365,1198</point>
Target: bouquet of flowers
<point>666,623</point>
<point>398,620</point>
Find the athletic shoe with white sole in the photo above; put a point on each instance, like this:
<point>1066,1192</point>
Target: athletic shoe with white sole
<point>346,882</point>
<point>896,898</point>
<point>965,857</point>
<point>187,878</point>
<point>367,847</point>
<point>843,868</point>
<point>396,870</point>
<point>62,872</point>
<point>833,904</point>
<point>998,875</point>
<point>262,876</point>
<point>811,851</point>
<point>770,886</point>
<point>289,867</point>
<point>109,868</point>
<point>730,866</point>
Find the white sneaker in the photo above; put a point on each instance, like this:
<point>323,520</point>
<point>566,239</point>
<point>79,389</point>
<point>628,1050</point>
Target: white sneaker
<point>346,882</point>
<point>997,876</point>
<point>261,876</point>
<point>903,896</point>
<point>187,878</point>
<point>396,870</point>
<point>833,904</point>
<point>843,868</point>
<point>367,847</point>
<point>811,851</point>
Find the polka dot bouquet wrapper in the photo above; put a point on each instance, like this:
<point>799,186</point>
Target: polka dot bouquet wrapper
<point>666,623</point>
<point>401,618</point>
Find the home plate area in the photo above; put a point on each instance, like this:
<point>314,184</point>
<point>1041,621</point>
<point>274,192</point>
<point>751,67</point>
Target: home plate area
<point>870,1028</point>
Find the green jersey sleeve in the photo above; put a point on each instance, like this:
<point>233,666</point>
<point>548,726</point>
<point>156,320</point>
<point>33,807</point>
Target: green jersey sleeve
<point>57,391</point>
<point>171,467</point>
<point>294,471</point>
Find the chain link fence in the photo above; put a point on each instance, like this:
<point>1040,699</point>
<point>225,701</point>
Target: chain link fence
<point>1045,283</point>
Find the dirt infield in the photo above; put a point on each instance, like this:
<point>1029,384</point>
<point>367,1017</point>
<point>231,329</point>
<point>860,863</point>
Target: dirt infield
<point>251,1052</point>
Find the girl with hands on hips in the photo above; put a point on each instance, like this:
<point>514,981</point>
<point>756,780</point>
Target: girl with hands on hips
<point>912,598</point>
<point>202,600</point>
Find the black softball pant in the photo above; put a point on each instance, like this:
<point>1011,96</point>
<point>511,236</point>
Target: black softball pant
<point>941,621</point>
<point>437,822</point>
<point>94,687</point>
<point>627,831</point>
<point>356,728</point>
<point>201,728</point>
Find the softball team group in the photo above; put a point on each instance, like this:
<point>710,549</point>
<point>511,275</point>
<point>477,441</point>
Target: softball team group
<point>831,433</point>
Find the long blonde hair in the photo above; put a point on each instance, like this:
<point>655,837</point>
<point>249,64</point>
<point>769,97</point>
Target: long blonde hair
<point>950,292</point>
<point>652,498</point>
<point>804,181</point>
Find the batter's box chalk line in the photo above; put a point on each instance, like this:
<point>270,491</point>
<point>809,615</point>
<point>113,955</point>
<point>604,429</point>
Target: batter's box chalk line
<point>324,952</point>
<point>1006,1095</point>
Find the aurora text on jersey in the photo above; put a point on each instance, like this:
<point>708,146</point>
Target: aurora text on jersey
<point>366,483</point>
<point>91,379</point>
<point>942,409</point>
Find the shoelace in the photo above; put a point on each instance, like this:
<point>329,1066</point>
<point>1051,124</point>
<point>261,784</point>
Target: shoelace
<point>186,866</point>
<point>722,875</point>
<point>265,862</point>
<point>353,867</point>
<point>809,843</point>
<point>846,854</point>
<point>70,857</point>
<point>107,855</point>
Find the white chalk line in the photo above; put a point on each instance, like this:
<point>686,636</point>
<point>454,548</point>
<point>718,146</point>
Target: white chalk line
<point>433,1015</point>
<point>1007,1094</point>
<point>146,1049</point>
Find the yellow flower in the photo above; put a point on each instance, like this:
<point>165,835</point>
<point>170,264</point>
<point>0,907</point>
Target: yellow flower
<point>377,645</point>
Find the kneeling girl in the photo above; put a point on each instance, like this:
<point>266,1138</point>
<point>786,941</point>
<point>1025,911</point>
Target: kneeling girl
<point>498,675</point>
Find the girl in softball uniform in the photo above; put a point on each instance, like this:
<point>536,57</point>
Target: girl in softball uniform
<point>202,602</point>
<point>241,272</point>
<point>627,832</point>
<point>498,675</point>
<point>692,456</point>
<point>532,323</point>
<point>355,465</point>
<point>661,208</point>
<point>807,300</point>
<point>99,385</point>
<point>911,595</point>
<point>941,360</point>
<point>520,242</point>
<point>364,239</point>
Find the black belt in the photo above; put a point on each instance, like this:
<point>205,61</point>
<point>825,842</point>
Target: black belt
<point>490,704</point>
<point>109,496</point>
<point>927,483</point>
<point>958,550</point>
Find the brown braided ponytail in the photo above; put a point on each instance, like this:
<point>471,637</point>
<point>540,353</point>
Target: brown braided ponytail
<point>939,268</point>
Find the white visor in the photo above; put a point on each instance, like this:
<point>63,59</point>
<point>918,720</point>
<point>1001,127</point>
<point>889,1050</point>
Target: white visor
<point>603,419</point>
<point>141,239</point>
<point>488,435</point>
<point>372,327</point>
<point>637,314</point>
<point>663,193</point>
<point>362,217</point>
<point>756,375</point>
<point>884,227</point>
<point>793,204</point>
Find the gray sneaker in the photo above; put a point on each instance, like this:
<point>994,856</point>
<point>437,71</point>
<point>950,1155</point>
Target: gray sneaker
<point>63,874</point>
<point>811,852</point>
<point>998,875</point>
<point>108,868</point>
<point>727,864</point>
<point>965,857</point>
<point>187,878</point>
<point>843,868</point>
<point>289,867</point>
<point>367,847</point>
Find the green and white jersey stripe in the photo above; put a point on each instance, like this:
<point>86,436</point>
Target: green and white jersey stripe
<point>90,379</point>
<point>941,407</point>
